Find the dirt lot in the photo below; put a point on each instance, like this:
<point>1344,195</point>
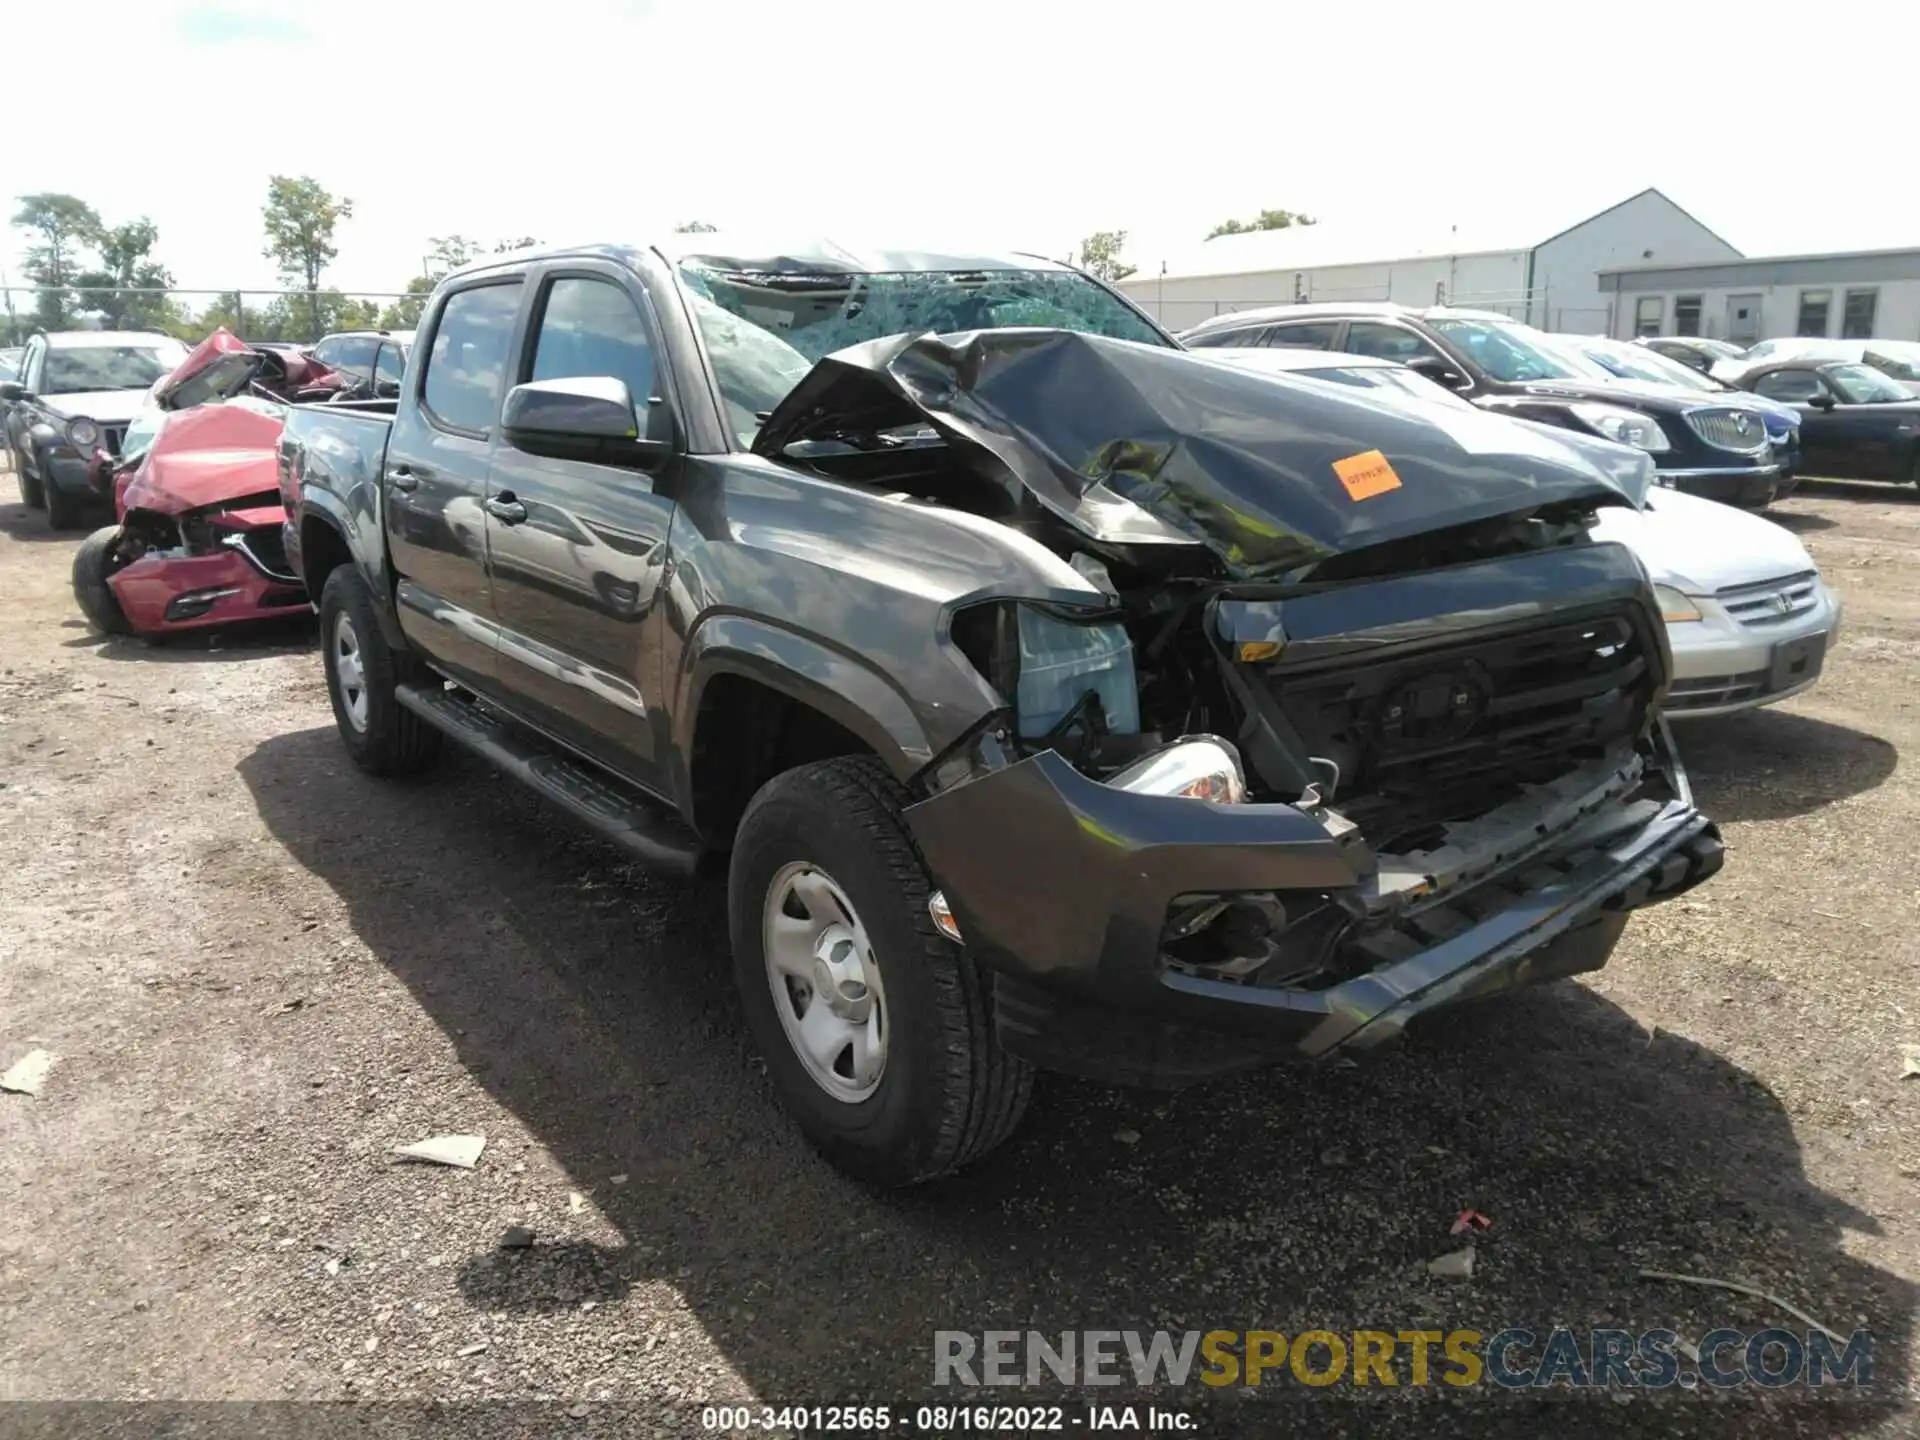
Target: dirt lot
<point>260,971</point>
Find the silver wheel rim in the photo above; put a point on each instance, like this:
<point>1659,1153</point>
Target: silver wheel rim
<point>349,671</point>
<point>825,981</point>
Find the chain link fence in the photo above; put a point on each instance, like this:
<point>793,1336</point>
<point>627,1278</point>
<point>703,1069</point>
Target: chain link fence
<point>296,316</point>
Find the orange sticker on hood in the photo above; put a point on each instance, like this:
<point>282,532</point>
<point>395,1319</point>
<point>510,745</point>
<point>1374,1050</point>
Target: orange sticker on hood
<point>1366,475</point>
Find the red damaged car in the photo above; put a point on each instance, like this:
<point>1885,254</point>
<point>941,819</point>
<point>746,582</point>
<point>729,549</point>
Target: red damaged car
<point>198,543</point>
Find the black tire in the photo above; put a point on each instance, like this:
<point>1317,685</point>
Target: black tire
<point>30,490</point>
<point>64,510</point>
<point>386,738</point>
<point>93,564</point>
<point>948,1094</point>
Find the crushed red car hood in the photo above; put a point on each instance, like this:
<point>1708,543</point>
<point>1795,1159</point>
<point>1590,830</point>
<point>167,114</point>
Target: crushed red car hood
<point>206,456</point>
<point>223,366</point>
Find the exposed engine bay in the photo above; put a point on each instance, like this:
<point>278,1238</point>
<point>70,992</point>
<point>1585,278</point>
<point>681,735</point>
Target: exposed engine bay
<point>1438,662</point>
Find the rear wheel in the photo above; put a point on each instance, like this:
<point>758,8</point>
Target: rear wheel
<point>94,565</point>
<point>877,1030</point>
<point>363,673</point>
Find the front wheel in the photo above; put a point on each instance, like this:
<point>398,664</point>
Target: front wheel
<point>64,509</point>
<point>363,673</point>
<point>94,565</point>
<point>30,489</point>
<point>877,1030</point>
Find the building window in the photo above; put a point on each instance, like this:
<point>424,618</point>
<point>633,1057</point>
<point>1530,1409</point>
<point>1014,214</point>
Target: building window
<point>1814,305</point>
<point>1686,315</point>
<point>1647,314</point>
<point>1856,316</point>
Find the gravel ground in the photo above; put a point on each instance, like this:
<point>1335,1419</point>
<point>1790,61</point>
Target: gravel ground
<point>261,971</point>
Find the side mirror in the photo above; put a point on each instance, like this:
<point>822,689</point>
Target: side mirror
<point>589,417</point>
<point>1822,401</point>
<point>1438,371</point>
<point>12,390</point>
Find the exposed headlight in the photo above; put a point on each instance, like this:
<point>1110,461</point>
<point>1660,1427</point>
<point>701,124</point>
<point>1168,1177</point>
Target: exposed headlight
<point>1201,767</point>
<point>83,434</point>
<point>1675,608</point>
<point>1626,427</point>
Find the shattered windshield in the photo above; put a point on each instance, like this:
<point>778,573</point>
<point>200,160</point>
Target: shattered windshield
<point>764,331</point>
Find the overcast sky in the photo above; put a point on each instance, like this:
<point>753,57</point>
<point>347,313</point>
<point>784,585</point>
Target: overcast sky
<point>1026,123</point>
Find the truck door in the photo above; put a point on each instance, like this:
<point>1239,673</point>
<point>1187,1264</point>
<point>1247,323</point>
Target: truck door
<point>579,548</point>
<point>436,478</point>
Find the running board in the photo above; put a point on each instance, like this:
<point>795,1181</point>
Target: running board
<point>618,811</point>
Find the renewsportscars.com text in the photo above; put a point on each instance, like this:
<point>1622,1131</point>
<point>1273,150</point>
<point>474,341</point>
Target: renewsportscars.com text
<point>1516,1357</point>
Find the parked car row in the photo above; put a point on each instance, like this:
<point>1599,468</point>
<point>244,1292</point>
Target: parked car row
<point>1706,445</point>
<point>921,592</point>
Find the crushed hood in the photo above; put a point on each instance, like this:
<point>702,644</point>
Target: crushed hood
<point>223,365</point>
<point>1137,444</point>
<point>208,456</point>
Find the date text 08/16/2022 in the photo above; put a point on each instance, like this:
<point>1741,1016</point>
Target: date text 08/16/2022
<point>947,1419</point>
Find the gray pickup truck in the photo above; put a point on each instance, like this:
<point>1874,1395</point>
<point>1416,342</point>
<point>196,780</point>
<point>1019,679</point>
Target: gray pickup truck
<point>1053,696</point>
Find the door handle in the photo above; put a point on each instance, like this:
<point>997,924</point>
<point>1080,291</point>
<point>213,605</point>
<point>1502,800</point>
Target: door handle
<point>507,510</point>
<point>400,477</point>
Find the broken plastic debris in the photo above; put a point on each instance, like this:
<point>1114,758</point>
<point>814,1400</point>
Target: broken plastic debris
<point>1687,1348</point>
<point>460,1151</point>
<point>1470,1220</point>
<point>1455,1265</point>
<point>474,1349</point>
<point>27,1074</point>
<point>333,1265</point>
<point>616,1179</point>
<point>1909,1061</point>
<point>1735,1285</point>
<point>1127,1137</point>
<point>576,1202</point>
<point>517,1237</point>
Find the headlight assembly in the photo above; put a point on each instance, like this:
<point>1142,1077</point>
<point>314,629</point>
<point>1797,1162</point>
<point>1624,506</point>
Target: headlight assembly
<point>83,434</point>
<point>1625,427</point>
<point>1201,767</point>
<point>1675,608</point>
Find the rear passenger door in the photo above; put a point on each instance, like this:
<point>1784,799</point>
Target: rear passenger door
<point>435,480</point>
<point>579,548</point>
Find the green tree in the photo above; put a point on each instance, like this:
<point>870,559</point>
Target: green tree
<point>126,268</point>
<point>525,242</point>
<point>301,215</point>
<point>65,225</point>
<point>696,227</point>
<point>1100,255</point>
<point>1265,220</point>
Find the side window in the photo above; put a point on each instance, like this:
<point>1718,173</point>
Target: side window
<point>327,352</point>
<point>1305,335</point>
<point>1792,386</point>
<point>1387,342</point>
<point>467,368</point>
<point>592,327</point>
<point>389,367</point>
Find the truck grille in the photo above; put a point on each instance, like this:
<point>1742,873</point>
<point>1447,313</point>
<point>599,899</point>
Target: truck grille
<point>1452,731</point>
<point>1770,602</point>
<point>1742,431</point>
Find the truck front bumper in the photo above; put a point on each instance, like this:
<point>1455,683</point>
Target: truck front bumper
<point>1062,886</point>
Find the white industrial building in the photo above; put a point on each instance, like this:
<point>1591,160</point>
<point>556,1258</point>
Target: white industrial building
<point>1850,296</point>
<point>1551,281</point>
